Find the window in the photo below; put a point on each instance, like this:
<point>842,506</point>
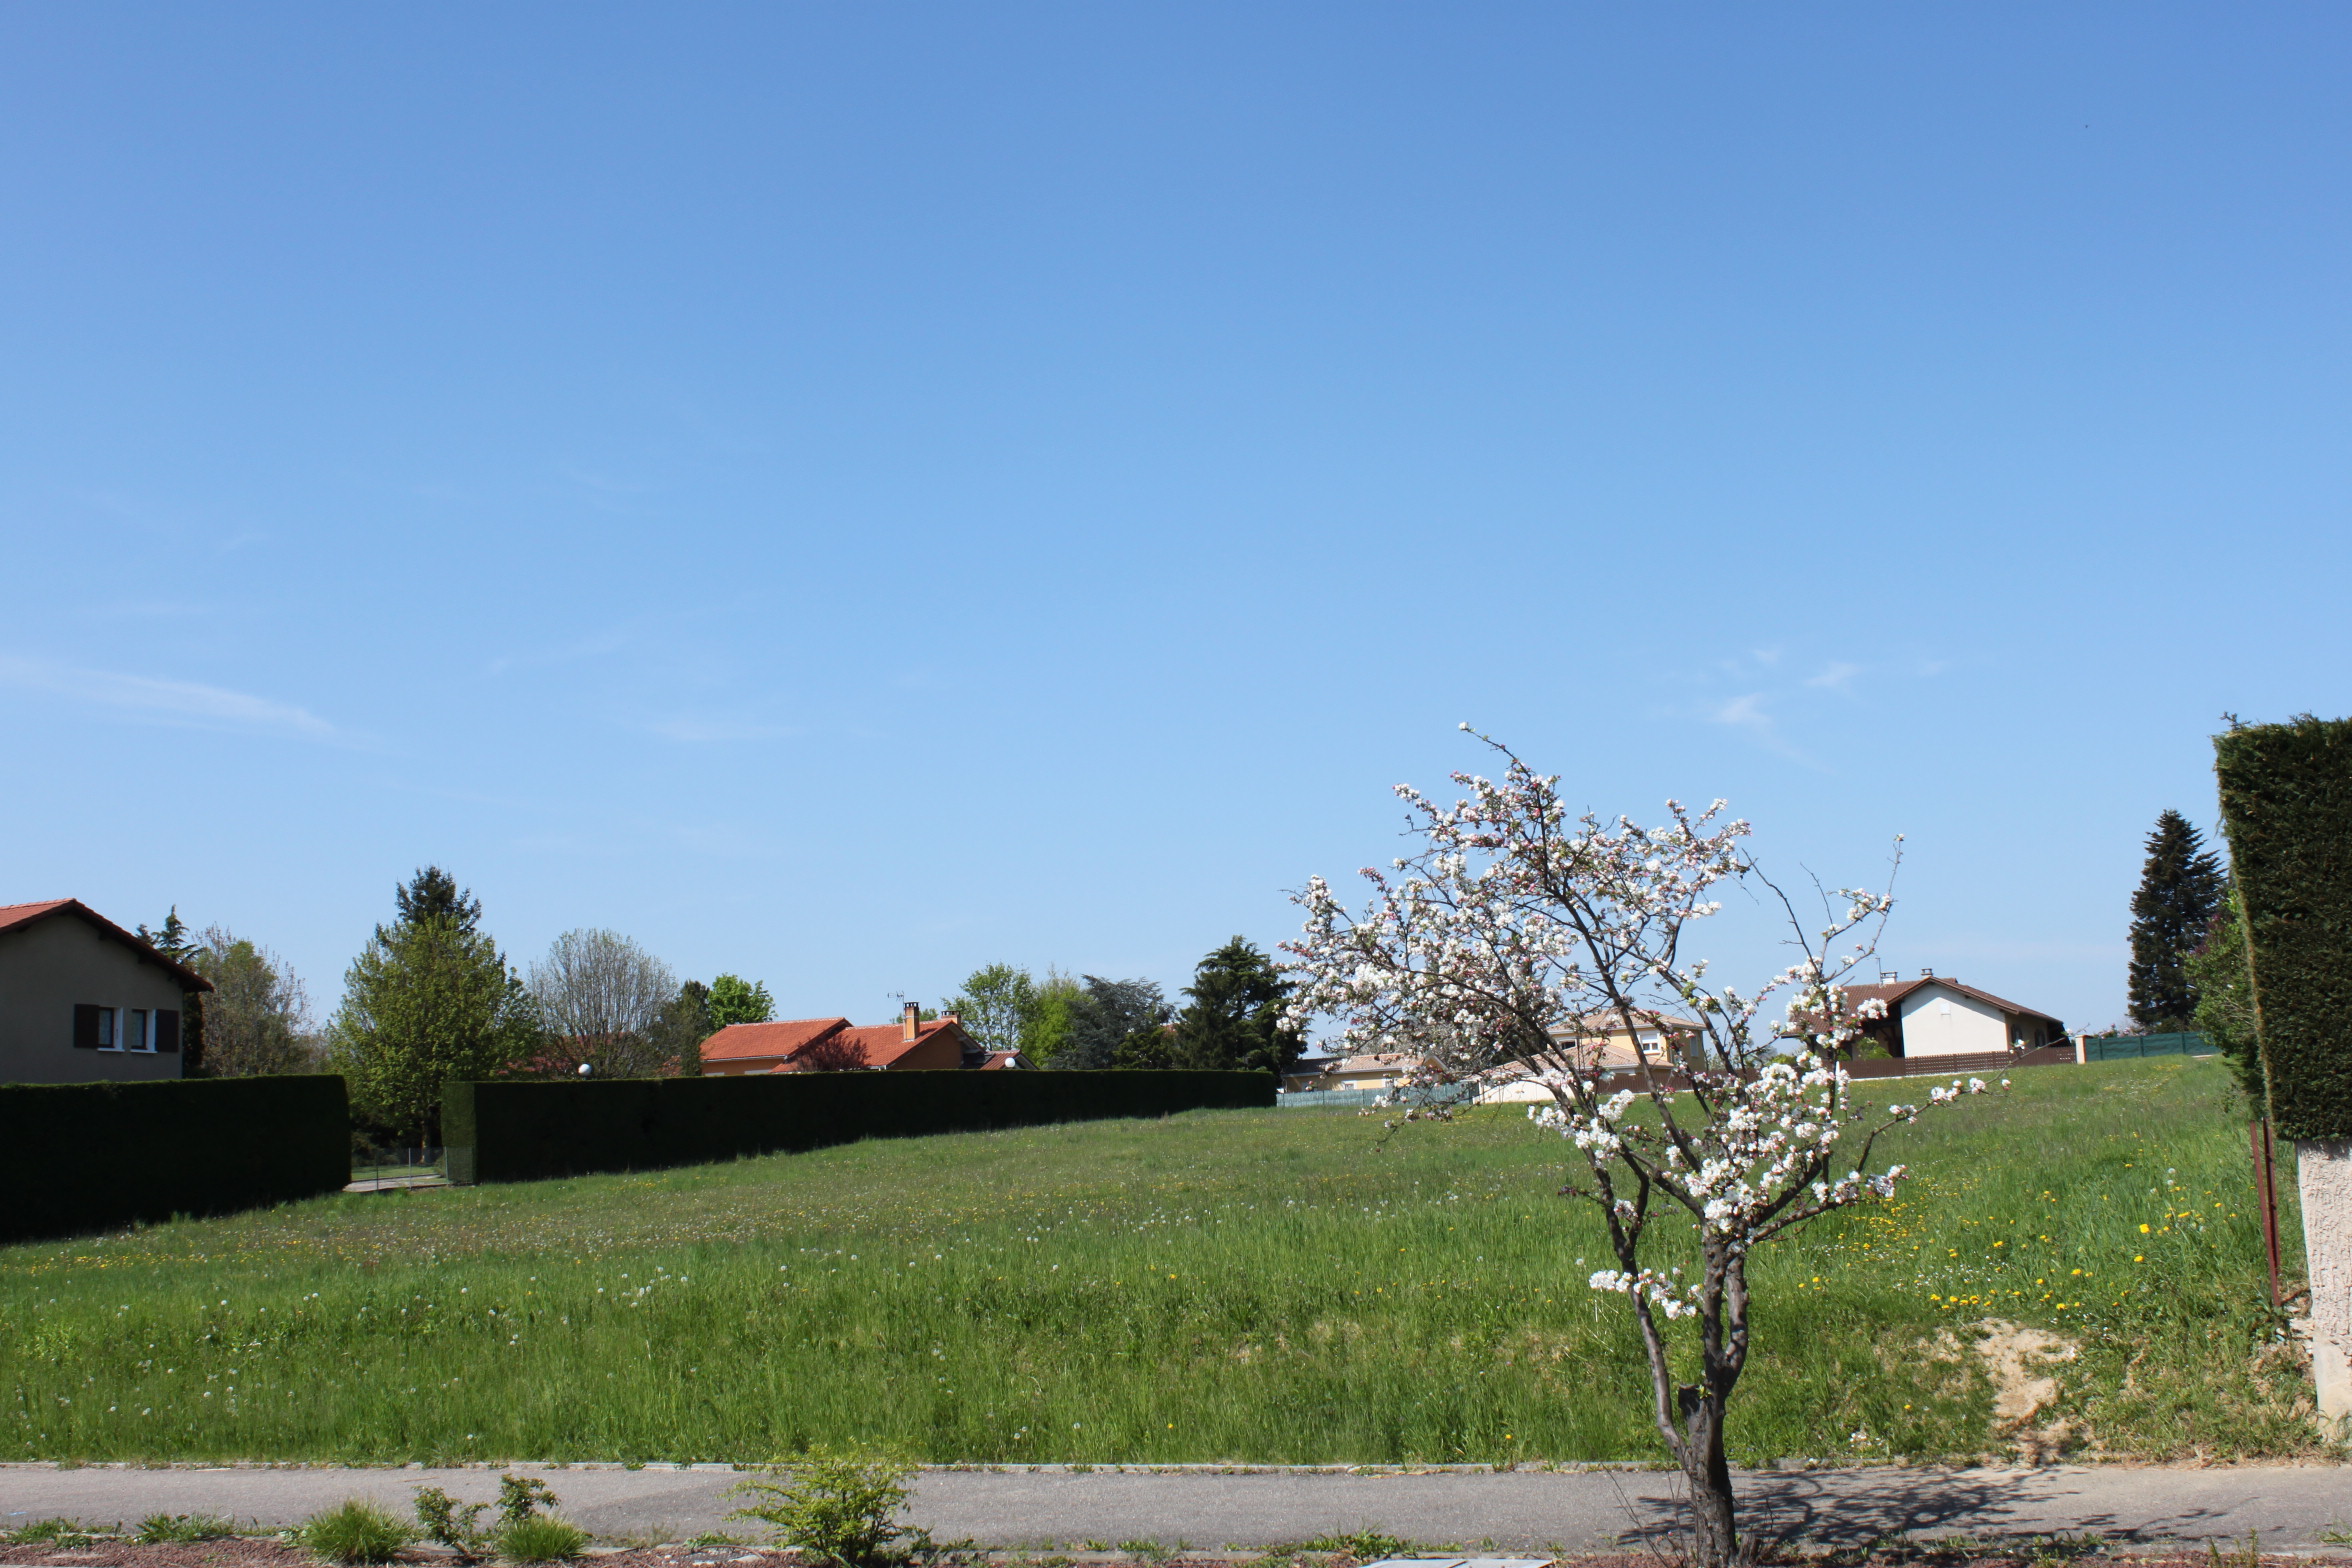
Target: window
<point>108,1038</point>
<point>136,1034</point>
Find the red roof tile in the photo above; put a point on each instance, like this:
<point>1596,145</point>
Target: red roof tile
<point>780,1039</point>
<point>883,1044</point>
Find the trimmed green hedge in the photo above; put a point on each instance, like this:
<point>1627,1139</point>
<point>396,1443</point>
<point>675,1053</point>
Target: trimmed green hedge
<point>2286,802</point>
<point>95,1156</point>
<point>523,1131</point>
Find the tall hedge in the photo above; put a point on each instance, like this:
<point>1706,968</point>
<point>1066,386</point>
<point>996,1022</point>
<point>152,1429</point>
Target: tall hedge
<point>520,1131</point>
<point>2286,803</point>
<point>94,1156</point>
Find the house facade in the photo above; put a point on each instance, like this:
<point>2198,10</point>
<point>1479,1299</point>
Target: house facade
<point>1935,1015</point>
<point>84,1001</point>
<point>795,1045</point>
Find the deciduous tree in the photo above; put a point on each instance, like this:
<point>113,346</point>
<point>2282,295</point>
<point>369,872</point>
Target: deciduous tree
<point>1102,1016</point>
<point>1515,917</point>
<point>734,1000</point>
<point>994,1005</point>
<point>600,997</point>
<point>2224,988</point>
<point>429,1000</point>
<point>684,1024</point>
<point>257,1019</point>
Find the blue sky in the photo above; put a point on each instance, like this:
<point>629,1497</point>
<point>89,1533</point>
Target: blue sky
<point>844,494</point>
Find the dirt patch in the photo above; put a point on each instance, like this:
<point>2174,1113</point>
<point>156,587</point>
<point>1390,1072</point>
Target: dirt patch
<point>2022,1363</point>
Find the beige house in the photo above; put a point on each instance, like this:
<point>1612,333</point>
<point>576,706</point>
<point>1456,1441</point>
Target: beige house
<point>1383,1070</point>
<point>82,1000</point>
<point>1599,1040</point>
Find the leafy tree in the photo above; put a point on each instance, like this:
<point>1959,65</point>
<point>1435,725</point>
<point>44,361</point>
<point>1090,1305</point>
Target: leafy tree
<point>257,1019</point>
<point>995,1005</point>
<point>2224,986</point>
<point>1234,1019</point>
<point>1102,1016</point>
<point>682,1027</point>
<point>429,1000</point>
<point>1051,1014</point>
<point>2180,892</point>
<point>599,996</point>
<point>734,1000</point>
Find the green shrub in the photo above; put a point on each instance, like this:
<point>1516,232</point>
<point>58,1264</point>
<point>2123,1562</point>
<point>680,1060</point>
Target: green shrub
<point>2286,802</point>
<point>64,1534</point>
<point>535,1538</point>
<point>95,1156</point>
<point>356,1531</point>
<point>836,1507</point>
<point>519,1497</point>
<point>157,1529</point>
<point>448,1522</point>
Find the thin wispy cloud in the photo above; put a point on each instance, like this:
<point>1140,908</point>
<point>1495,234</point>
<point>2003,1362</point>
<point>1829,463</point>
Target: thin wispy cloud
<point>1836,677</point>
<point>171,702</point>
<point>1748,712</point>
<point>1744,712</point>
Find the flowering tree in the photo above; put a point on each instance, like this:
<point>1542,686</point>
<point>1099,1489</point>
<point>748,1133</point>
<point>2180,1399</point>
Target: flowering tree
<point>1518,932</point>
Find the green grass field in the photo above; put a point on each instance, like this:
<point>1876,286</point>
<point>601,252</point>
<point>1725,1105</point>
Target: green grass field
<point>1273,1286</point>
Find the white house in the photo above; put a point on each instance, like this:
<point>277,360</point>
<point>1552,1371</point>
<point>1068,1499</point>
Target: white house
<point>1935,1015</point>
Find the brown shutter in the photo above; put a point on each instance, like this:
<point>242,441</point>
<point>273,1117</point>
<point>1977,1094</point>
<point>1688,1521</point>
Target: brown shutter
<point>85,1035</point>
<point>167,1029</point>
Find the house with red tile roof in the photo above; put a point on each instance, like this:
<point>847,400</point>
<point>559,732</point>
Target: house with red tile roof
<point>794,1045</point>
<point>82,1000</point>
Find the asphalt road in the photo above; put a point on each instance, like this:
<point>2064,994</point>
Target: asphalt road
<point>2288,1506</point>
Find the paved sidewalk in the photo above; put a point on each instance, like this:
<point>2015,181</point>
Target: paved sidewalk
<point>2291,1507</point>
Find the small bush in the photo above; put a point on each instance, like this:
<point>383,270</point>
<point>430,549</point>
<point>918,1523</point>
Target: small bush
<point>157,1529</point>
<point>836,1507</point>
<point>519,1497</point>
<point>448,1522</point>
<point>535,1538</point>
<point>354,1532</point>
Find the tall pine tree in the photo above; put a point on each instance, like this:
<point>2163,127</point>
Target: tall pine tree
<point>1233,1019</point>
<point>2180,892</point>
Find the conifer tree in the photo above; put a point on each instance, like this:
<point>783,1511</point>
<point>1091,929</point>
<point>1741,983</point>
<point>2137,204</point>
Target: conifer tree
<point>1234,1017</point>
<point>2180,893</point>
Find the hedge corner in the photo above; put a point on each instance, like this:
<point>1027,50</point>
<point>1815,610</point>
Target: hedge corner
<point>2286,806</point>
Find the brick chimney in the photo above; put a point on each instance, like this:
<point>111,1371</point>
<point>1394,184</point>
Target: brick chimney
<point>909,1022</point>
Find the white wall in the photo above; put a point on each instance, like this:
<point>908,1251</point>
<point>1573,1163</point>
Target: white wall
<point>1939,1021</point>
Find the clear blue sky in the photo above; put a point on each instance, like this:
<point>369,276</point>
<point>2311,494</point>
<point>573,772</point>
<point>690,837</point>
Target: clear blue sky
<point>846,493</point>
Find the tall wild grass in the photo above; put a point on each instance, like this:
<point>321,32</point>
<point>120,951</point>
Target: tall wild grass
<point>1274,1286</point>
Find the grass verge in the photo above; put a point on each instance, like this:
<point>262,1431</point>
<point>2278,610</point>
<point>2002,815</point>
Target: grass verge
<point>1267,1286</point>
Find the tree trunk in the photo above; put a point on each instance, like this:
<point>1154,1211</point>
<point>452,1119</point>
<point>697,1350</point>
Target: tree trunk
<point>1707,1475</point>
